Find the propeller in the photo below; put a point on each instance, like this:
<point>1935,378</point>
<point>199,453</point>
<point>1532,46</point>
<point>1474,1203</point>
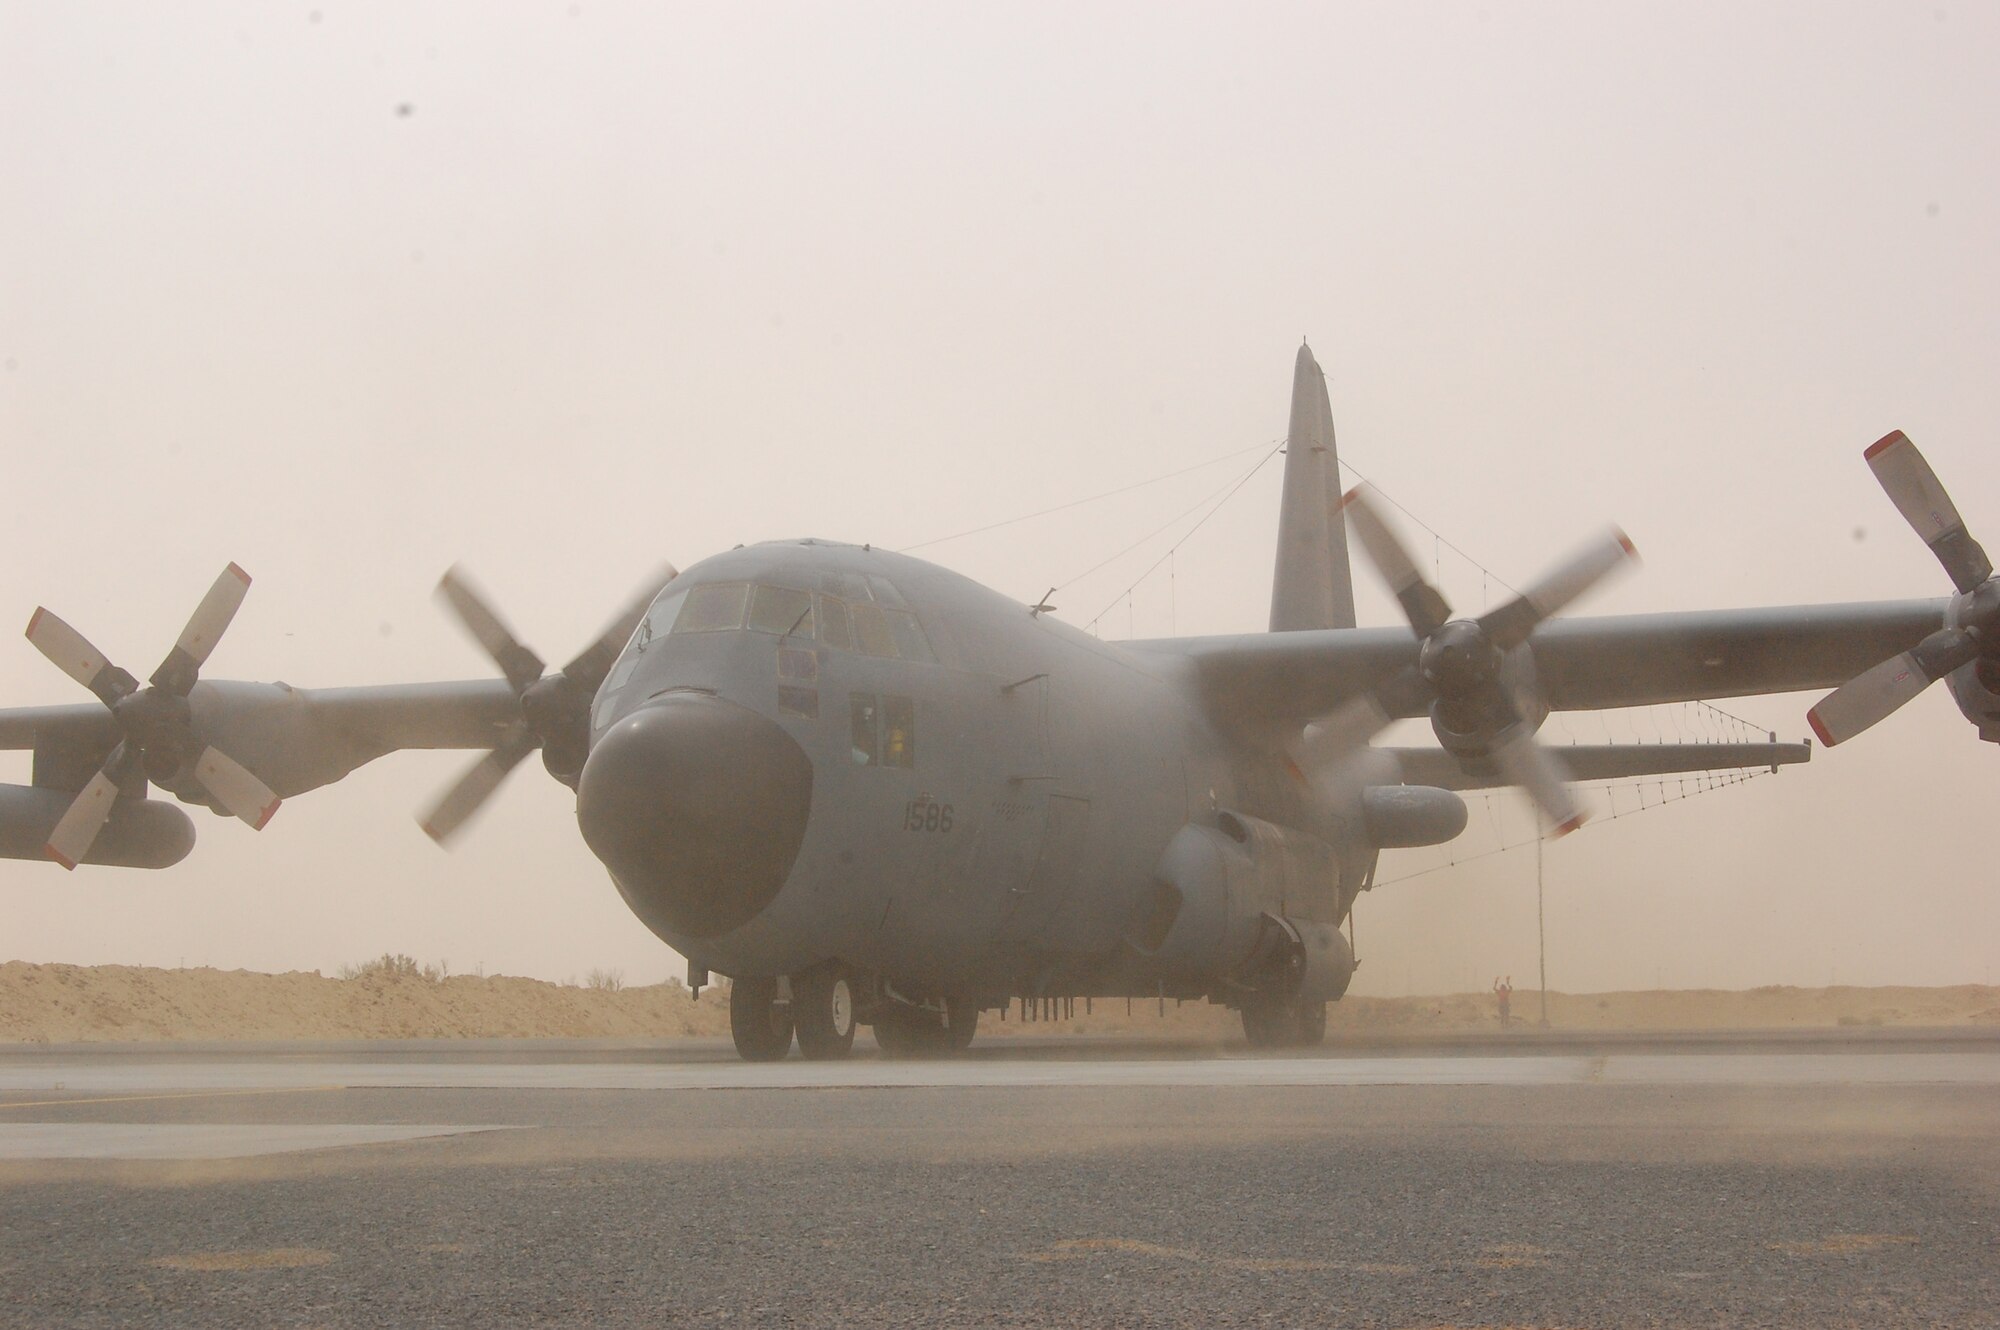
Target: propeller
<point>1460,672</point>
<point>555,708</point>
<point>155,726</point>
<point>1868,697</point>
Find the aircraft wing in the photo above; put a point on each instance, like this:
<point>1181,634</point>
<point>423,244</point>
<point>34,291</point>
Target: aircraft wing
<point>1588,762</point>
<point>295,739</point>
<point>1271,682</point>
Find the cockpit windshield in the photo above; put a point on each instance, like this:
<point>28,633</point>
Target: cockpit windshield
<point>847,612</point>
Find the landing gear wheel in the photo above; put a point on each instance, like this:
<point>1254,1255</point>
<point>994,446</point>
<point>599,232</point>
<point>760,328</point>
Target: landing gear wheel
<point>961,1023</point>
<point>1269,1025</point>
<point>911,1032</point>
<point>1311,1024</point>
<point>760,1024</point>
<point>1285,1024</point>
<point>823,1011</point>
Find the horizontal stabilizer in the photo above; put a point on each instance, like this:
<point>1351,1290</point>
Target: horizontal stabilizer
<point>1435,766</point>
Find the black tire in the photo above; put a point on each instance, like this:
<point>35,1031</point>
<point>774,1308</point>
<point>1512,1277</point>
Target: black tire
<point>961,1023</point>
<point>760,1024</point>
<point>1269,1025</point>
<point>910,1032</point>
<point>1311,1024</point>
<point>823,1013</point>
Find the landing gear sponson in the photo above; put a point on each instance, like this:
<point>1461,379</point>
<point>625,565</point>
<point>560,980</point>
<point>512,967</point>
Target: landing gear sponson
<point>823,1008</point>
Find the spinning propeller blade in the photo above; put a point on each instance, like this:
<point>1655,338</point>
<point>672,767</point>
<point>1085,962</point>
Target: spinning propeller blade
<point>1510,625</point>
<point>555,710</point>
<point>85,817</point>
<point>69,652</point>
<point>1541,773</point>
<point>1913,487</point>
<point>241,793</point>
<point>1870,696</point>
<point>155,727</point>
<point>591,665</point>
<point>457,805</point>
<point>1423,604</point>
<point>521,666</point>
<point>1459,669</point>
<point>177,672</point>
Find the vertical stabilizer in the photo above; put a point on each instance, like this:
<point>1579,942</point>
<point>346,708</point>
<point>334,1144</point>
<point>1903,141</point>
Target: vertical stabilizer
<point>1312,588</point>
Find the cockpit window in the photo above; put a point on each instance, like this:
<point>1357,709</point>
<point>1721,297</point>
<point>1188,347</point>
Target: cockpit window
<point>836,627</point>
<point>713,609</point>
<point>848,586</point>
<point>659,620</point>
<point>885,591</point>
<point>871,631</point>
<point>908,634</point>
<point>779,609</point>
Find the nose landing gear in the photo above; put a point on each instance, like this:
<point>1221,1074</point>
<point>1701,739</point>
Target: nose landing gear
<point>824,1006</point>
<point>817,1006</point>
<point>760,1019</point>
<point>823,1012</point>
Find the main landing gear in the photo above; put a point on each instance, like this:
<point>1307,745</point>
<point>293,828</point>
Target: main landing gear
<point>907,1031</point>
<point>1285,1024</point>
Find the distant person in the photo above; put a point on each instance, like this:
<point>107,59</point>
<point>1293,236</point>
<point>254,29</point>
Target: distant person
<point>1503,992</point>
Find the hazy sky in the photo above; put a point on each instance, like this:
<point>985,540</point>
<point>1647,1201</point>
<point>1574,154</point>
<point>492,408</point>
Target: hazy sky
<point>349,292</point>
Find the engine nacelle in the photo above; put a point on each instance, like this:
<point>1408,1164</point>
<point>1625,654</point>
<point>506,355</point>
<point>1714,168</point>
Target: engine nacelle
<point>140,833</point>
<point>1515,698</point>
<point>1311,961</point>
<point>1975,687</point>
<point>1216,887</point>
<point>1399,817</point>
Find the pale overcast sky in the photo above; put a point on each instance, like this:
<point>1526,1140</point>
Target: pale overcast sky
<point>348,292</point>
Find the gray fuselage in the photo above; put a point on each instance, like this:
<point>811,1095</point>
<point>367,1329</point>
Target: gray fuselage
<point>988,800</point>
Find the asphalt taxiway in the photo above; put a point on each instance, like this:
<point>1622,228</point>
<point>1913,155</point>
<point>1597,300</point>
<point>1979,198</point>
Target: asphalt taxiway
<point>1762,1180</point>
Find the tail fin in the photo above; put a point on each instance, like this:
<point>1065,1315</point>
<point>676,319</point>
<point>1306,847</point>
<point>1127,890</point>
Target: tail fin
<point>1313,587</point>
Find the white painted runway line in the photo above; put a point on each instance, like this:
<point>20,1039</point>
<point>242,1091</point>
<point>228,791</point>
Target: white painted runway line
<point>118,1075</point>
<point>120,1140</point>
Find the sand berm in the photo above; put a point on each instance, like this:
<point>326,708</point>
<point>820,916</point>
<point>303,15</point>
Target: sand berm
<point>105,1003</point>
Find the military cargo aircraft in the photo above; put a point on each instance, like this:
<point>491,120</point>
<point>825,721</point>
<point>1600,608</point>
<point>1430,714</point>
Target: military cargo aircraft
<point>873,792</point>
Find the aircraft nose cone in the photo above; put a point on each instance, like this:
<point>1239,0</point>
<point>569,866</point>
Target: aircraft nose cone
<point>698,807</point>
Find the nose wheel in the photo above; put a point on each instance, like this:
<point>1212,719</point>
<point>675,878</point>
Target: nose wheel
<point>760,1023</point>
<point>823,1013</point>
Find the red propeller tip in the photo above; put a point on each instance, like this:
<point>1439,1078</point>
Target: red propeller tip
<point>1625,543</point>
<point>1889,440</point>
<point>1812,719</point>
<point>1568,826</point>
<point>35,619</point>
<point>264,817</point>
<point>1347,498</point>
<point>237,570</point>
<point>69,864</point>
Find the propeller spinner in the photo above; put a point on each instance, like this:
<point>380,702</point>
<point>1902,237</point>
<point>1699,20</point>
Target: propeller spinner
<point>156,732</point>
<point>555,709</point>
<point>1868,697</point>
<point>1458,674</point>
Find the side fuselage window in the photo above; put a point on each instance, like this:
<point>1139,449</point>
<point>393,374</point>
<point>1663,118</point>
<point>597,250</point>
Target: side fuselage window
<point>899,732</point>
<point>884,730</point>
<point>862,708</point>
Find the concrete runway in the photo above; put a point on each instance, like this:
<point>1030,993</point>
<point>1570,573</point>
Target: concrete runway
<point>1852,1179</point>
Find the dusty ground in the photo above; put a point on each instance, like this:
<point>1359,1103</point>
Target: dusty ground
<point>67,1003</point>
